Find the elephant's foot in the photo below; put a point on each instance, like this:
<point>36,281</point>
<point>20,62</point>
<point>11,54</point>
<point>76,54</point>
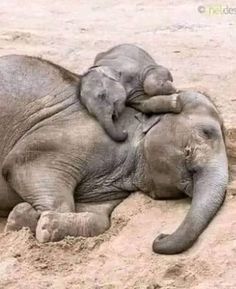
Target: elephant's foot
<point>54,226</point>
<point>176,105</point>
<point>158,104</point>
<point>23,215</point>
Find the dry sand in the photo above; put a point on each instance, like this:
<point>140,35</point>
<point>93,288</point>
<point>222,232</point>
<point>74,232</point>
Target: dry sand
<point>200,50</point>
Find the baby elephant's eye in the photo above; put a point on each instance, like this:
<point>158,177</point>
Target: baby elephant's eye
<point>102,95</point>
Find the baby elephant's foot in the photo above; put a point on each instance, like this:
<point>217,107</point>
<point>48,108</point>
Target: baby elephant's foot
<point>54,226</point>
<point>23,215</point>
<point>176,103</point>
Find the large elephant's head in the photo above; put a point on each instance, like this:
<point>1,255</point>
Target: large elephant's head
<point>186,153</point>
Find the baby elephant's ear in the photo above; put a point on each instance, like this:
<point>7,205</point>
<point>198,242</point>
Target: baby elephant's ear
<point>147,121</point>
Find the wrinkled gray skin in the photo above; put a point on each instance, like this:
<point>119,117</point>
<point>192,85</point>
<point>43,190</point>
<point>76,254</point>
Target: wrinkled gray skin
<point>62,175</point>
<point>126,74</point>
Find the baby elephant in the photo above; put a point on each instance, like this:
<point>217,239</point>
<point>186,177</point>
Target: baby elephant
<point>126,74</point>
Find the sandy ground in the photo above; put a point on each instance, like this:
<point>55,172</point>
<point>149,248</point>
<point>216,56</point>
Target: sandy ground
<point>200,50</point>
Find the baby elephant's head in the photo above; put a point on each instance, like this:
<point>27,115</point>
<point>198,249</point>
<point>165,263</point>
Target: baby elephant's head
<point>104,97</point>
<point>158,81</point>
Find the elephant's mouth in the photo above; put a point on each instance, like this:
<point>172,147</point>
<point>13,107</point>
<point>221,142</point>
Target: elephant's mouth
<point>186,186</point>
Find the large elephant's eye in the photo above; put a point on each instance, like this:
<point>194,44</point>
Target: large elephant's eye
<point>209,132</point>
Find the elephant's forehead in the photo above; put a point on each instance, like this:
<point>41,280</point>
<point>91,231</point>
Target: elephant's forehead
<point>200,104</point>
<point>195,98</point>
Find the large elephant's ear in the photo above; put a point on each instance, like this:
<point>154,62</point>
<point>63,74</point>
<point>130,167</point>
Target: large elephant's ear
<point>147,121</point>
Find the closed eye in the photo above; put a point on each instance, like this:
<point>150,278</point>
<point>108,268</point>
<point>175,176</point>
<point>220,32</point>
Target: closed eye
<point>210,132</point>
<point>102,95</point>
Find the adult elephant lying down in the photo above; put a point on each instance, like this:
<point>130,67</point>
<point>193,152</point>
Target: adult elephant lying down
<point>62,175</point>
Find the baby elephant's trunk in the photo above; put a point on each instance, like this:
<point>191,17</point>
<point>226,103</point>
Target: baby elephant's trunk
<point>114,131</point>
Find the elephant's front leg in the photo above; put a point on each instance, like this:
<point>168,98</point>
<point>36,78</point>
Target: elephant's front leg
<point>90,220</point>
<point>158,104</point>
<point>41,186</point>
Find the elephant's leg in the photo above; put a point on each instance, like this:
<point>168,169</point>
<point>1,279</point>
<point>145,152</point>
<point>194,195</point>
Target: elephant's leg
<point>23,215</point>
<point>42,186</point>
<point>91,219</point>
<point>158,104</point>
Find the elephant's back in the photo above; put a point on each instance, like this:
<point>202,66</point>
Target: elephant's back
<point>25,78</point>
<point>28,85</point>
<point>128,59</point>
<point>127,51</point>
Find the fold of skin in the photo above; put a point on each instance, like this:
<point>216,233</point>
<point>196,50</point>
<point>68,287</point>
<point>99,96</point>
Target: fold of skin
<point>209,187</point>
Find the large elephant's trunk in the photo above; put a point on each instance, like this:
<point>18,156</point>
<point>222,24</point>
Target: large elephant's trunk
<point>208,195</point>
